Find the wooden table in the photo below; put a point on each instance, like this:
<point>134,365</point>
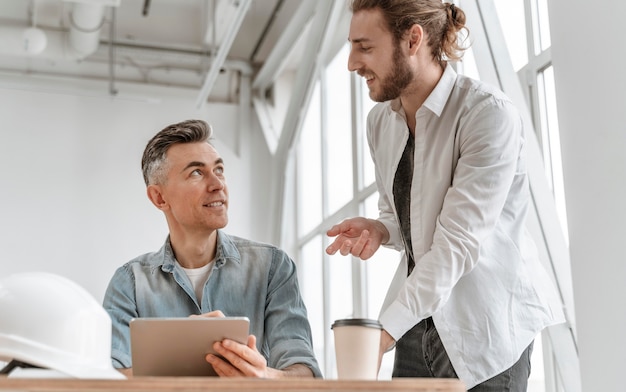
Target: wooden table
<point>191,384</point>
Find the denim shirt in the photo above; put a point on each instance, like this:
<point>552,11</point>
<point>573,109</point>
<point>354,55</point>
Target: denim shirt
<point>249,279</point>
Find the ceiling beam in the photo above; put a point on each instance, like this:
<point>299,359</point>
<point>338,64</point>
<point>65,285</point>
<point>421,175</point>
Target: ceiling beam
<point>326,16</point>
<point>272,68</point>
<point>275,62</point>
<point>222,52</point>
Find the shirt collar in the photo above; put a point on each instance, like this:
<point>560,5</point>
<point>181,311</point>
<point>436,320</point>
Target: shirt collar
<point>226,250</point>
<point>437,99</point>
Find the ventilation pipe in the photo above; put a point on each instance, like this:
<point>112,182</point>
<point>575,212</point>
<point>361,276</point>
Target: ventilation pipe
<point>86,22</point>
<point>82,39</point>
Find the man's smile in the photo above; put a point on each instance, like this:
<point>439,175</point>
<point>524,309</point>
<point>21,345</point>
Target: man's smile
<point>217,203</point>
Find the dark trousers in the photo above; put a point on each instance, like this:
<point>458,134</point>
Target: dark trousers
<point>420,353</point>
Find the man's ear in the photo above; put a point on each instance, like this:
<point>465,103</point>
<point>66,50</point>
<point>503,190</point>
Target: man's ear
<point>155,194</point>
<point>415,37</point>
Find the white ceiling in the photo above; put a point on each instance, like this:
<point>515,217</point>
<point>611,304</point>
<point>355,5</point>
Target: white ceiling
<point>155,42</point>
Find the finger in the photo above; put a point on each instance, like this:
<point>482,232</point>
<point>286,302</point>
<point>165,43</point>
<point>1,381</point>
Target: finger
<point>345,248</point>
<point>248,353</point>
<point>334,246</point>
<point>215,313</point>
<point>370,248</point>
<point>252,342</point>
<point>331,250</point>
<point>338,244</point>
<point>367,252</point>
<point>359,245</point>
<point>342,227</point>
<point>230,363</point>
<point>333,231</point>
<point>247,361</point>
<point>222,367</point>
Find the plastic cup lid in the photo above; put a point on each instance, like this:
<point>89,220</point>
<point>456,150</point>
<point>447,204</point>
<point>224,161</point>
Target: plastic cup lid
<point>357,322</point>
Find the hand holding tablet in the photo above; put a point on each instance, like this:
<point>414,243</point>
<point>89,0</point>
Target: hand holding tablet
<point>179,346</point>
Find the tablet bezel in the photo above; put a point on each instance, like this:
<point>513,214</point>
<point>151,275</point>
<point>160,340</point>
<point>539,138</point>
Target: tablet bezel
<point>177,346</point>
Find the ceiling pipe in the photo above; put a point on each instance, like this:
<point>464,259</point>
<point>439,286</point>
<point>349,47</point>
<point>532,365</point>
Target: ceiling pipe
<point>86,22</point>
<point>82,39</point>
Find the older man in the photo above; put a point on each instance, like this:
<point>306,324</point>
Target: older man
<point>201,270</point>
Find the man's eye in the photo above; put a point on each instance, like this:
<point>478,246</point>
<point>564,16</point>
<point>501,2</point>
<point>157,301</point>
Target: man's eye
<point>196,172</point>
<point>219,170</point>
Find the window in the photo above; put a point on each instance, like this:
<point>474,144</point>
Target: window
<point>514,30</point>
<point>340,184</point>
<point>310,167</point>
<point>310,275</point>
<point>540,25</point>
<point>546,96</point>
<point>365,105</point>
<point>338,131</point>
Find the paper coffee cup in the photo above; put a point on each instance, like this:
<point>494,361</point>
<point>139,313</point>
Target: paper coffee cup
<point>357,346</point>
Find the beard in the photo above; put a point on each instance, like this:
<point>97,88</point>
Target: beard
<point>396,81</point>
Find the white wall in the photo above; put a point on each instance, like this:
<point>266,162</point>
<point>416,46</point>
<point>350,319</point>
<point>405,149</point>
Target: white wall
<point>588,54</point>
<point>72,198</point>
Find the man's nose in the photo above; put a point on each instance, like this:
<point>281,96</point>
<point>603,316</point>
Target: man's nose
<point>353,61</point>
<point>215,183</point>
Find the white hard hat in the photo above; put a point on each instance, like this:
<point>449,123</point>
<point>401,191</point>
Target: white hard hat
<point>51,322</point>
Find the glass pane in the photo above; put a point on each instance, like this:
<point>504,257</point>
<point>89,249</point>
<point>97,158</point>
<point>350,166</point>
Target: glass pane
<point>340,285</point>
<point>543,120</point>
<point>541,25</point>
<point>537,377</point>
<point>380,270</point>
<point>551,138</point>
<point>468,65</point>
<point>366,105</point>
<point>512,22</point>
<point>310,167</point>
<point>544,24</point>
<point>310,275</point>
<point>338,142</point>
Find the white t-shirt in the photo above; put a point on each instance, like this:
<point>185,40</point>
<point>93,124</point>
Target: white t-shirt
<point>198,277</point>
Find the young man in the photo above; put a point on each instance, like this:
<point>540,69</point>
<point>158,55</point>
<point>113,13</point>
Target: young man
<point>201,270</point>
<point>470,294</point>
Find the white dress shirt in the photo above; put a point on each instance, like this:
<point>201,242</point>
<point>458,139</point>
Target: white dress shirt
<point>477,271</point>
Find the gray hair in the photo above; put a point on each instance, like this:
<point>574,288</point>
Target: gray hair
<point>154,163</point>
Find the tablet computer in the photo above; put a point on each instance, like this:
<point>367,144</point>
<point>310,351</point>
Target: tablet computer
<point>178,346</point>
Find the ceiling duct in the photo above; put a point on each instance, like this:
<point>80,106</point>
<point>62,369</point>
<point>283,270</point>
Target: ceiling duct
<point>82,39</point>
<point>86,22</point>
